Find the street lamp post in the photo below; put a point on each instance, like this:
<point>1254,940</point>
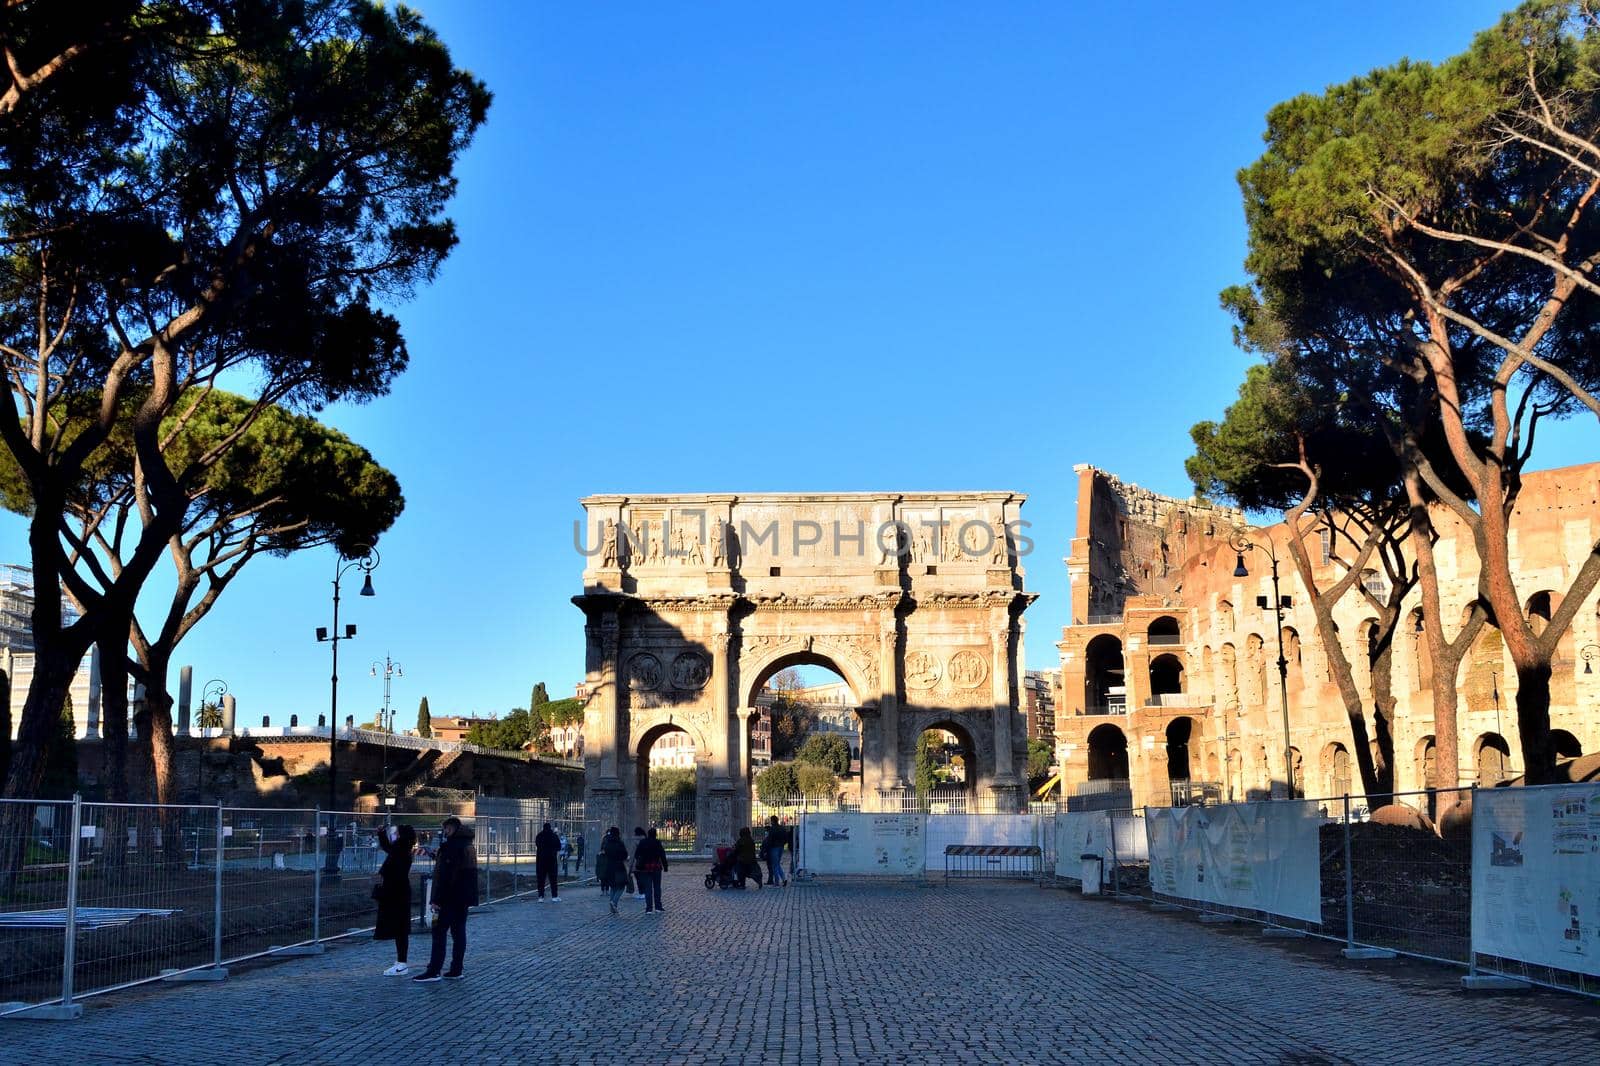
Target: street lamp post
<point>365,560</point>
<point>391,669</point>
<point>207,699</point>
<point>1240,542</point>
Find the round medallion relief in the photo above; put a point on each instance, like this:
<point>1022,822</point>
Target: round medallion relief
<point>644,672</point>
<point>923,669</point>
<point>968,669</point>
<point>690,671</point>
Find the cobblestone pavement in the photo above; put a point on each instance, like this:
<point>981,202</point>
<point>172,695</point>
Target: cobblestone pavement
<point>830,973</point>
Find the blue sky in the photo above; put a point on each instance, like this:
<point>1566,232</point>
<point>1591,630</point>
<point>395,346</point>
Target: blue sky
<point>738,247</point>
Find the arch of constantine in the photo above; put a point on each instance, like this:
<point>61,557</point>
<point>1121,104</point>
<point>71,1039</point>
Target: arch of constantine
<point>693,602</point>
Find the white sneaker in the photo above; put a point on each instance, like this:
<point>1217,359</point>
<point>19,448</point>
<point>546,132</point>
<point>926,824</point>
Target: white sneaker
<point>399,969</point>
<point>555,899</point>
<point>639,896</point>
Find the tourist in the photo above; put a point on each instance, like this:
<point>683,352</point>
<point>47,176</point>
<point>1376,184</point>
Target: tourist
<point>393,893</point>
<point>546,846</point>
<point>580,843</point>
<point>744,858</point>
<point>635,885</point>
<point>772,846</point>
<point>650,860</point>
<point>564,852</point>
<point>611,866</point>
<point>455,891</point>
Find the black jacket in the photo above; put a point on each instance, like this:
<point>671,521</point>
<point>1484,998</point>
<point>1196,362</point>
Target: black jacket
<point>546,845</point>
<point>611,867</point>
<point>650,854</point>
<point>455,871</point>
<point>394,892</point>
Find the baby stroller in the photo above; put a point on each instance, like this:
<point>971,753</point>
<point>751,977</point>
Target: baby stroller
<point>724,871</point>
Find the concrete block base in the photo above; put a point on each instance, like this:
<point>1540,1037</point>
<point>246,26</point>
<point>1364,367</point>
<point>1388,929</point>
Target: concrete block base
<point>1281,932</point>
<point>1367,953</point>
<point>1483,982</point>
<point>1217,919</point>
<point>1166,908</point>
<point>297,949</point>
<point>213,973</point>
<point>49,1012</point>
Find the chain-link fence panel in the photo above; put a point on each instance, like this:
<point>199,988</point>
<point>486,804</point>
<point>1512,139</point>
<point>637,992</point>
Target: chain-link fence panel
<point>1401,886</point>
<point>36,855</point>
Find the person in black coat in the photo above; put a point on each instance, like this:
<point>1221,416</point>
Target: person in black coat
<point>546,849</point>
<point>611,867</point>
<point>455,891</point>
<point>393,893</point>
<point>650,862</point>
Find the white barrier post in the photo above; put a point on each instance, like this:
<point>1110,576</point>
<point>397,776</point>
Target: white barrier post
<point>69,950</point>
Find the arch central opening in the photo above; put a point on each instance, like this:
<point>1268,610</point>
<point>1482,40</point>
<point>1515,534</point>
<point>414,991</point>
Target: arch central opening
<point>805,742</point>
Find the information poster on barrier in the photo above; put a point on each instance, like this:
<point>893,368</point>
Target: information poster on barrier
<point>1080,833</point>
<point>863,844</point>
<point>1536,875</point>
<point>1259,856</point>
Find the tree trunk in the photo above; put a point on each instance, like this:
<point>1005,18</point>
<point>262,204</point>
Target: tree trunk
<point>163,755</point>
<point>1533,723</point>
<point>52,677</point>
<point>1380,668</point>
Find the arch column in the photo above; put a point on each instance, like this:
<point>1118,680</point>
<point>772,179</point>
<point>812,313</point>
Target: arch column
<point>889,776</point>
<point>605,791</point>
<point>745,714</point>
<point>721,720</point>
<point>718,819</point>
<point>1005,785</point>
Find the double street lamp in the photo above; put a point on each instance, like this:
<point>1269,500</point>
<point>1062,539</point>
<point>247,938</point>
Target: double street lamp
<point>1240,542</point>
<point>365,559</point>
<point>391,669</point>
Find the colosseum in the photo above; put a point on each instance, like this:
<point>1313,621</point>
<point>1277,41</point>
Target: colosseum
<point>1169,686</point>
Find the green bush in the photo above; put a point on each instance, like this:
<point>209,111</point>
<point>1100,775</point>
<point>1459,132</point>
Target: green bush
<point>818,782</point>
<point>829,750</point>
<point>777,782</point>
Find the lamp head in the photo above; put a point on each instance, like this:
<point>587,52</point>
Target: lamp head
<point>349,630</point>
<point>322,632</point>
<point>1239,570</point>
<point>366,585</point>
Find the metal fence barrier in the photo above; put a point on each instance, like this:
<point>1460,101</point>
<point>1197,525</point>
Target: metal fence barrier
<point>994,861</point>
<point>1393,885</point>
<point>96,897</point>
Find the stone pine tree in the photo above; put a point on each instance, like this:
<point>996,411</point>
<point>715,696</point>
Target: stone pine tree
<point>424,719</point>
<point>1294,443</point>
<point>223,192</point>
<point>1439,224</point>
<point>287,484</point>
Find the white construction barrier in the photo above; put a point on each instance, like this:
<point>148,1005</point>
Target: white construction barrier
<point>1254,856</point>
<point>863,844</point>
<point>1536,875</point>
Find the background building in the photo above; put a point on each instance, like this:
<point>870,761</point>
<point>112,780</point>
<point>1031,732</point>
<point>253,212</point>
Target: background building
<point>16,653</point>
